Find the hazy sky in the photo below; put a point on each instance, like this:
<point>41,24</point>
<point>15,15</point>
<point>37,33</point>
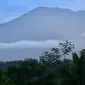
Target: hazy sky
<point>10,9</point>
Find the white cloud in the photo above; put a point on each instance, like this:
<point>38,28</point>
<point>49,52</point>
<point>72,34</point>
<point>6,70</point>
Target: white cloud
<point>83,35</point>
<point>77,5</point>
<point>31,44</point>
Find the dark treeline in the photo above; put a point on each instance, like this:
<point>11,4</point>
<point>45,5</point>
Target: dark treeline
<point>53,68</point>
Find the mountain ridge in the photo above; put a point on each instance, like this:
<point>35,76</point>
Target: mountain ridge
<point>38,22</point>
<point>38,25</point>
<point>39,8</point>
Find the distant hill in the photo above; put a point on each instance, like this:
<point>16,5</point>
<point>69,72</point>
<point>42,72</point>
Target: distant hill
<point>44,23</point>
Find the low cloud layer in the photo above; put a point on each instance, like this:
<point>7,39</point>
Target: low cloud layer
<point>83,35</point>
<point>30,44</point>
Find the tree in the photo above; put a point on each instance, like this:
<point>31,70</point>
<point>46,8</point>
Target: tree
<point>66,47</point>
<point>51,57</point>
<point>82,53</point>
<point>50,70</point>
<point>4,79</point>
<point>74,72</point>
<point>69,72</point>
<point>51,61</point>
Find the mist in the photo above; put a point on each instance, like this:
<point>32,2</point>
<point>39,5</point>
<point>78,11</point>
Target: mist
<point>30,44</point>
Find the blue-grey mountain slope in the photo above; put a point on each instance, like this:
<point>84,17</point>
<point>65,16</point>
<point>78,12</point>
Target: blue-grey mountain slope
<point>42,24</point>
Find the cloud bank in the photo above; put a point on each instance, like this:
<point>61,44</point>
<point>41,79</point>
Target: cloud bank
<point>30,44</point>
<point>82,35</point>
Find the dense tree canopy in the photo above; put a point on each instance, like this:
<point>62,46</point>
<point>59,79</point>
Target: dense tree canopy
<point>50,69</point>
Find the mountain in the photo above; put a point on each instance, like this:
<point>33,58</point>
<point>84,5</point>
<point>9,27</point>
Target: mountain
<point>44,23</point>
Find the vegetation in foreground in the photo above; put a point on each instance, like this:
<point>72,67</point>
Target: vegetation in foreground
<point>53,68</point>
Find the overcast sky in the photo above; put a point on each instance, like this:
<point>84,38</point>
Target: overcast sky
<point>10,9</point>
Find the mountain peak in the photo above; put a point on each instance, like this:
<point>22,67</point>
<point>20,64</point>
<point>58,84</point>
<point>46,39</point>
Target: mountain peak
<point>49,10</point>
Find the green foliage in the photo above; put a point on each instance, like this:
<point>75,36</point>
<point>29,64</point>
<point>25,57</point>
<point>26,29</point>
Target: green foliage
<point>51,57</point>
<point>49,70</point>
<point>66,47</point>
